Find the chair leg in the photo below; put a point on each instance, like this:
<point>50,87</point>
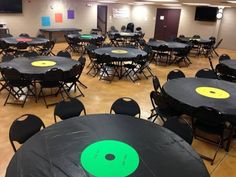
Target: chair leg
<point>7,97</point>
<point>229,140</point>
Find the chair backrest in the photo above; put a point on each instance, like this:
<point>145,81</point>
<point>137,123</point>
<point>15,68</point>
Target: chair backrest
<point>68,109</point>
<point>24,35</point>
<point>209,116</point>
<point>126,106</point>
<point>75,71</point>
<point>3,45</point>
<point>49,45</point>
<point>224,57</point>
<point>22,45</point>
<point>24,127</point>
<point>30,54</point>
<point>174,74</point>
<point>163,48</point>
<point>54,74</point>
<point>223,70</point>
<point>123,28</point>
<point>64,53</point>
<point>7,58</point>
<point>180,127</point>
<point>41,36</point>
<point>130,27</point>
<point>196,36</point>
<point>82,60</point>
<point>206,73</point>
<point>11,74</point>
<point>156,83</point>
<point>158,101</point>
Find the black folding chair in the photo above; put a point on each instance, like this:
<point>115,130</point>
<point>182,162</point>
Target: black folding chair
<point>30,54</point>
<point>68,109</point>
<point>180,127</point>
<point>64,53</point>
<point>175,74</point>
<point>206,73</point>
<point>126,106</point>
<point>24,35</point>
<point>52,79</point>
<point>24,128</point>
<point>15,84</point>
<point>211,121</point>
<point>160,108</point>
<point>224,57</point>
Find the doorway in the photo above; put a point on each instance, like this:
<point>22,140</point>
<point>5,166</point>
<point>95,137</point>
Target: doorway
<point>167,24</point>
<point>102,18</point>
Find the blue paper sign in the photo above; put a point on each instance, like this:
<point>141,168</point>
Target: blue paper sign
<point>45,21</point>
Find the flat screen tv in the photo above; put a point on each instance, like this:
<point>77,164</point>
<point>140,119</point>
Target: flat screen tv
<point>10,6</point>
<point>204,13</point>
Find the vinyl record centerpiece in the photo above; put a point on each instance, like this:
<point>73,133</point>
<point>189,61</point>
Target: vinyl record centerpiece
<point>109,158</point>
<point>212,92</point>
<point>43,63</point>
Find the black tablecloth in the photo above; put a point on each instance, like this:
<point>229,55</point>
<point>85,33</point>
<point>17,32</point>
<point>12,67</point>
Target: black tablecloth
<point>85,37</point>
<point>24,66</point>
<point>56,151</point>
<point>200,40</point>
<point>125,34</point>
<point>60,29</point>
<point>171,45</point>
<point>183,96</point>
<point>130,55</point>
<point>34,42</point>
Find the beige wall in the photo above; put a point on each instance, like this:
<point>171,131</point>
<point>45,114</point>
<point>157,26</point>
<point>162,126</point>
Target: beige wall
<point>227,29</point>
<point>188,26</point>
<point>30,20</point>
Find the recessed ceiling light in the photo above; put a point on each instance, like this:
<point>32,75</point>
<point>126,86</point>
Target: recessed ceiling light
<point>172,5</point>
<point>162,0</point>
<point>142,3</point>
<point>232,2</point>
<point>197,4</point>
<point>108,1</point>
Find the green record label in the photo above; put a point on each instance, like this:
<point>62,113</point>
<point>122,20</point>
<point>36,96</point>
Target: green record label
<point>109,158</point>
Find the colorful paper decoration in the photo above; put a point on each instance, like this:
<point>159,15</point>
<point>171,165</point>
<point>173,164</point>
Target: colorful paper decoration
<point>58,17</point>
<point>70,14</point>
<point>45,21</point>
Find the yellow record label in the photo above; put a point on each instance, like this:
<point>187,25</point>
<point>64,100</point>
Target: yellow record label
<point>43,63</point>
<point>212,92</point>
<point>119,51</point>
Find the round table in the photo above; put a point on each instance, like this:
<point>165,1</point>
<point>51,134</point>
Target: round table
<point>85,37</point>
<point>171,45</point>
<point>187,94</point>
<point>112,145</point>
<point>120,53</point>
<point>32,41</point>
<point>36,67</point>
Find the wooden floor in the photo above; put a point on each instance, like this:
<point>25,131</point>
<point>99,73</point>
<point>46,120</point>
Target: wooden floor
<point>98,98</point>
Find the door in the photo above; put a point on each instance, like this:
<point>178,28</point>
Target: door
<point>167,24</point>
<point>102,18</point>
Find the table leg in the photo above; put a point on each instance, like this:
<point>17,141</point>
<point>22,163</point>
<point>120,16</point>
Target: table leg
<point>50,35</point>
